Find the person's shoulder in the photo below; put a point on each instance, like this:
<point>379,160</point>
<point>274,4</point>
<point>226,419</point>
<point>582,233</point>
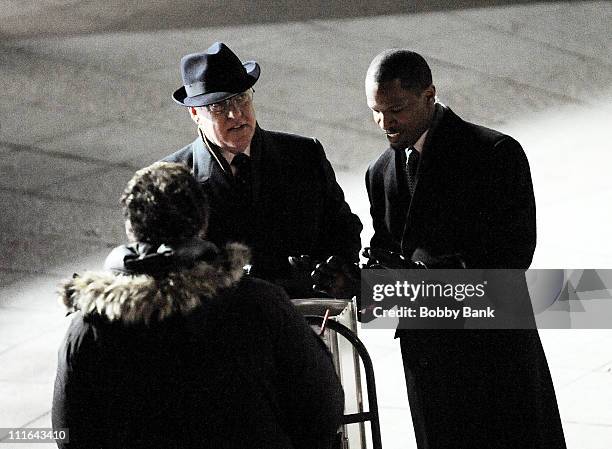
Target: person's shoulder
<point>477,140</point>
<point>478,133</point>
<point>258,288</point>
<point>261,301</point>
<point>489,136</point>
<point>286,140</point>
<point>299,154</point>
<point>184,155</point>
<point>496,143</point>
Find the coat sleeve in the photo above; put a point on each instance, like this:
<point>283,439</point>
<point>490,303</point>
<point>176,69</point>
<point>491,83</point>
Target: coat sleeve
<point>75,403</point>
<point>340,228</point>
<point>382,238</point>
<point>509,237</point>
<point>312,396</point>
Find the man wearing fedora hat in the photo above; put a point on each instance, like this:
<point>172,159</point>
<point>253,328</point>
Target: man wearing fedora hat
<point>274,191</point>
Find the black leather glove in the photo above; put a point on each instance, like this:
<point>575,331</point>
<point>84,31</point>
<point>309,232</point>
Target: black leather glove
<point>303,263</point>
<point>448,261</point>
<point>337,278</point>
<point>382,258</point>
<point>299,284</point>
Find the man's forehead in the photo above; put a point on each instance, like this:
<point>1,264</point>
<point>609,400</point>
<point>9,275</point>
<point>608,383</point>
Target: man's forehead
<point>383,87</point>
<point>389,93</point>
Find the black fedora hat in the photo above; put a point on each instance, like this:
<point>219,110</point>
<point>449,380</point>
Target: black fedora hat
<point>213,76</point>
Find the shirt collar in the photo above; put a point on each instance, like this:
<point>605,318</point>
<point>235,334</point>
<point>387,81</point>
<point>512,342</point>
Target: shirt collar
<point>229,156</point>
<point>437,116</point>
<point>218,153</point>
<point>421,142</point>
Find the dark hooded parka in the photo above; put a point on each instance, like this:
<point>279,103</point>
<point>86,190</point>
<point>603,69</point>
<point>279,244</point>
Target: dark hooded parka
<point>201,357</point>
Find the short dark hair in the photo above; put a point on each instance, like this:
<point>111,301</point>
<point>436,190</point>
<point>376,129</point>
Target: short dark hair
<point>164,203</point>
<point>409,67</point>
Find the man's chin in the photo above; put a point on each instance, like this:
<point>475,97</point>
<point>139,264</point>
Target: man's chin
<point>399,143</point>
<point>239,142</point>
<point>396,145</point>
<point>396,141</point>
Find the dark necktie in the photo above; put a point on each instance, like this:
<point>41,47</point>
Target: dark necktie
<point>242,175</point>
<point>243,207</point>
<point>412,164</point>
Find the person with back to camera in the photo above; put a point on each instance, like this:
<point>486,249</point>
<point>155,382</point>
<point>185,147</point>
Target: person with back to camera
<point>174,347</point>
<point>275,192</point>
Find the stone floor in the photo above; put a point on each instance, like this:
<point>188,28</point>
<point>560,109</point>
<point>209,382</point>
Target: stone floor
<point>85,101</point>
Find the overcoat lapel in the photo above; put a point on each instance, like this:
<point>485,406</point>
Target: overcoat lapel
<point>256,165</point>
<point>212,171</point>
<point>206,168</point>
<point>391,175</point>
<point>395,192</point>
<point>260,166</point>
<point>436,146</point>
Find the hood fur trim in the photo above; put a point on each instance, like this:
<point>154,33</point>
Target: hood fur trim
<point>143,299</point>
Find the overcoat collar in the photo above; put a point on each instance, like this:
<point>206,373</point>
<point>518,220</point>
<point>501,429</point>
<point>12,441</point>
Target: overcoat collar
<point>394,168</point>
<point>392,172</point>
<point>440,140</point>
<point>210,165</point>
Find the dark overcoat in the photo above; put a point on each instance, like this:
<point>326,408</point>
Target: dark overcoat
<point>202,357</point>
<point>297,207</point>
<point>474,197</point>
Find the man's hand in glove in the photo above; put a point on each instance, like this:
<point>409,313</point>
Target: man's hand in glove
<point>299,284</point>
<point>440,261</point>
<point>337,278</point>
<point>381,258</point>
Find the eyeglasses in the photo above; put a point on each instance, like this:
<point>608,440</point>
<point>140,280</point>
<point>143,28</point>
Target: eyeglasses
<point>239,101</point>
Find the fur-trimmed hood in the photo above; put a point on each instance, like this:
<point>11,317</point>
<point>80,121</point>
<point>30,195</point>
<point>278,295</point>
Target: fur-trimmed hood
<point>141,298</point>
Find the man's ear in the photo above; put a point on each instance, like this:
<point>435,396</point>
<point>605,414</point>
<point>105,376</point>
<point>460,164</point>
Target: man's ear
<point>193,112</point>
<point>430,93</point>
